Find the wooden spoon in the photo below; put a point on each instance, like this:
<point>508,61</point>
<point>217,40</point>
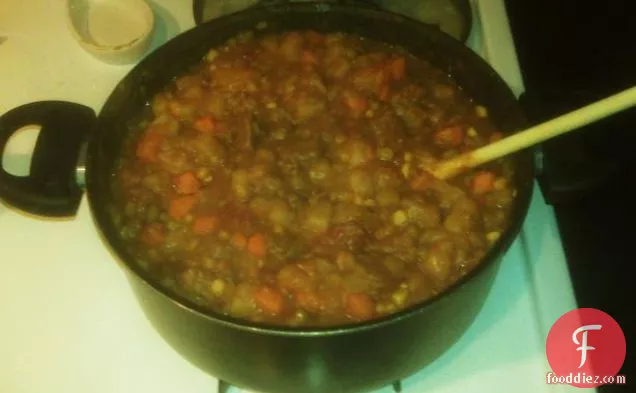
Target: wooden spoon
<point>539,133</point>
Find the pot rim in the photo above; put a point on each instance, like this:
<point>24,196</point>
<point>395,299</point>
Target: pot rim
<point>497,250</point>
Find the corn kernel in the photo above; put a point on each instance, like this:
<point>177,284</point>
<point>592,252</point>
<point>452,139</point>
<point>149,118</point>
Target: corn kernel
<point>408,157</point>
<point>399,218</point>
<point>481,111</point>
<point>385,153</point>
<point>204,174</point>
<point>500,183</point>
<point>471,132</point>
<point>406,170</point>
<point>300,316</point>
<point>217,287</point>
<point>212,54</point>
<point>399,297</point>
<point>271,105</point>
<point>493,236</point>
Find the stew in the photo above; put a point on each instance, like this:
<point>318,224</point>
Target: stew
<point>283,180</point>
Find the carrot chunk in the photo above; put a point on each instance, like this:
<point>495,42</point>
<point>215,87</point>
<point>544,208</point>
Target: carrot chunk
<point>449,136</point>
<point>269,300</point>
<point>187,183</point>
<point>257,245</point>
<point>149,146</point>
<point>422,181</point>
<point>308,58</point>
<point>204,224</point>
<point>239,241</point>
<point>356,103</point>
<point>206,124</point>
<point>153,234</point>
<point>359,306</point>
<point>483,182</point>
<point>180,207</point>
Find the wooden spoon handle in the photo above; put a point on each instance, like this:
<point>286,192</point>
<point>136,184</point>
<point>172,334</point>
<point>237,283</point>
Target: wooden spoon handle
<point>539,133</point>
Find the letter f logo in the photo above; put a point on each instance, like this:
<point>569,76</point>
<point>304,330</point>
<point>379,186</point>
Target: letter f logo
<point>584,347</point>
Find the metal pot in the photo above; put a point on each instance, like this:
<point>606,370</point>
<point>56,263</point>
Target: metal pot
<point>352,358</point>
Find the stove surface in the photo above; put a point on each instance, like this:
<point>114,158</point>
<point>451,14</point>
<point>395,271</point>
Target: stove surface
<point>71,324</point>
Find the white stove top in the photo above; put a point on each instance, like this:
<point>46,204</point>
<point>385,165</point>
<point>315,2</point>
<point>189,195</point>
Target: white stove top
<point>69,322</point>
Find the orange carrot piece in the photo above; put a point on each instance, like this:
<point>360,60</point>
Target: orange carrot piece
<point>449,136</point>
<point>397,68</point>
<point>205,124</point>
<point>187,183</point>
<point>239,241</point>
<point>356,103</point>
<point>308,58</point>
<point>204,224</point>
<point>180,207</point>
<point>269,300</point>
<point>359,306</point>
<point>483,182</point>
<point>153,234</point>
<point>422,181</point>
<point>257,245</point>
<point>149,146</point>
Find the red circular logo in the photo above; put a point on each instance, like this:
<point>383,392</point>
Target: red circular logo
<point>585,348</point>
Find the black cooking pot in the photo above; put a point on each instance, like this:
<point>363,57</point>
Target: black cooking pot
<point>351,358</point>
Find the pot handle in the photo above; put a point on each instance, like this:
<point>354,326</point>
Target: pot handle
<point>50,189</point>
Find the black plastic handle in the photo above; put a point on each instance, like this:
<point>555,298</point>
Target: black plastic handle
<point>50,189</point>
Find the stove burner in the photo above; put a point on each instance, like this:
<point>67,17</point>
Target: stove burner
<point>225,387</point>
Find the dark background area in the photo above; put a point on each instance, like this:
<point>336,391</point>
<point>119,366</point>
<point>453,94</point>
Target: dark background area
<point>572,53</point>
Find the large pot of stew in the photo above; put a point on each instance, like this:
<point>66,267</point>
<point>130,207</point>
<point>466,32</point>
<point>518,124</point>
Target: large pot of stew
<point>262,180</point>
